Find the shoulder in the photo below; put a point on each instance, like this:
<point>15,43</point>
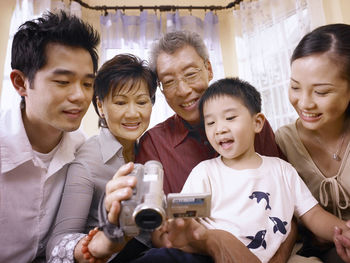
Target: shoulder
<point>89,149</point>
<point>286,132</point>
<point>277,164</point>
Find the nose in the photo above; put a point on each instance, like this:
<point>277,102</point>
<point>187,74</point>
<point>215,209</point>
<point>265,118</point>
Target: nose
<point>183,88</point>
<point>220,128</point>
<point>77,93</point>
<point>305,101</point>
<point>132,110</point>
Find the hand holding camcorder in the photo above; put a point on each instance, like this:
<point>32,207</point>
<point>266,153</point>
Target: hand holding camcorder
<point>149,207</point>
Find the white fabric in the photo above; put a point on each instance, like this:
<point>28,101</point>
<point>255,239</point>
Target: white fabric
<point>29,193</point>
<point>277,26</point>
<point>245,202</point>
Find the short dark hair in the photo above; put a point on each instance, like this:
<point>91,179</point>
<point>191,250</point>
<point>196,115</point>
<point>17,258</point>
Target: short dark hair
<point>30,42</point>
<point>333,39</point>
<point>233,87</point>
<point>118,71</point>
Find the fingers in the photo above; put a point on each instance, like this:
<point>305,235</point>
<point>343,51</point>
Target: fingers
<point>113,214</point>
<point>124,170</point>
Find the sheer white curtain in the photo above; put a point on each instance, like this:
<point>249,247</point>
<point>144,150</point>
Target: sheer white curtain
<point>26,10</point>
<point>267,32</point>
<point>122,33</point>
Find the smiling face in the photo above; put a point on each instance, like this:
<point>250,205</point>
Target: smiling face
<point>183,98</point>
<point>230,128</point>
<point>127,111</point>
<point>61,91</point>
<point>318,93</point>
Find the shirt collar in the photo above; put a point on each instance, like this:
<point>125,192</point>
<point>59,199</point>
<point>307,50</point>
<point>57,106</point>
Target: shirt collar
<point>183,129</point>
<point>16,148</point>
<point>110,146</point>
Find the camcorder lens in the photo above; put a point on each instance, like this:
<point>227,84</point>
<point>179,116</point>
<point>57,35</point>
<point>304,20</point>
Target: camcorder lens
<point>148,219</point>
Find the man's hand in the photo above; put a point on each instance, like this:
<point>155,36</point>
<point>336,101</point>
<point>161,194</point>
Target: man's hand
<point>342,242</point>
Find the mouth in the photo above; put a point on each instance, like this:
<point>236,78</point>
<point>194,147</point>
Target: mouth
<point>309,116</point>
<point>131,125</point>
<point>73,113</point>
<point>189,104</point>
<point>226,144</point>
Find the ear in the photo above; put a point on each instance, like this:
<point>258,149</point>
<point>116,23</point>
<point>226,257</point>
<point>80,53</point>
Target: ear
<point>99,106</point>
<point>209,69</point>
<point>19,82</point>
<point>259,120</point>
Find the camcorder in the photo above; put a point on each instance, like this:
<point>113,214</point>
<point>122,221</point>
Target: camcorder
<point>149,207</point>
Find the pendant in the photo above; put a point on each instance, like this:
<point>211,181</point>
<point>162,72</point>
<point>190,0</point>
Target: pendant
<point>336,157</point>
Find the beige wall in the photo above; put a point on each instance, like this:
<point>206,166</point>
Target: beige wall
<point>336,11</point>
<point>6,7</point>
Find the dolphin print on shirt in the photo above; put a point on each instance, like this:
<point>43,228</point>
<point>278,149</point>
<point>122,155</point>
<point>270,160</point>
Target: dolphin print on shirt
<point>258,240</point>
<point>261,195</point>
<point>279,225</point>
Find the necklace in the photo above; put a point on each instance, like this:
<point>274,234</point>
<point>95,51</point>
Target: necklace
<point>335,155</point>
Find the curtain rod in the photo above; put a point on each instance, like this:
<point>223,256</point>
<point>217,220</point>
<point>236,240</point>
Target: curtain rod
<point>159,7</point>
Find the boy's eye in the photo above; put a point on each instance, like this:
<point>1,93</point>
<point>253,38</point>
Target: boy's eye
<point>210,123</point>
<point>230,118</point>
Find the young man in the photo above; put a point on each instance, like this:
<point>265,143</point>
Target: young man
<point>253,196</point>
<point>54,61</point>
<point>182,64</point>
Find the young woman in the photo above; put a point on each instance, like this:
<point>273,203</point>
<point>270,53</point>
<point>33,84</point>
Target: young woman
<point>124,91</point>
<point>317,144</point>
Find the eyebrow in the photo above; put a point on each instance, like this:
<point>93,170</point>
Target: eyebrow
<point>316,84</point>
<point>70,73</point>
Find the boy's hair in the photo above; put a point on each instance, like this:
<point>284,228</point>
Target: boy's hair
<point>173,41</point>
<point>30,42</point>
<point>117,72</point>
<point>233,87</point>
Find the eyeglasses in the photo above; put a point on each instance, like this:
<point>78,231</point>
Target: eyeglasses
<point>190,76</point>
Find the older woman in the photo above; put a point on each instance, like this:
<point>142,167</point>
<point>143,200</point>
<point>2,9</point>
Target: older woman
<point>124,91</point>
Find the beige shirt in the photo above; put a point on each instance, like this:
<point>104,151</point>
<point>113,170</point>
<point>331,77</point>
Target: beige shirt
<point>30,192</point>
<point>333,193</point>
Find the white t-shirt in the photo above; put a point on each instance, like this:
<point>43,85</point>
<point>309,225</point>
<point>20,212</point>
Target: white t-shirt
<point>255,205</point>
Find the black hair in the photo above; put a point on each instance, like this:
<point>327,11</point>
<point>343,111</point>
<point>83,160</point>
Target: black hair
<point>29,43</point>
<point>233,87</point>
<point>117,72</point>
<point>333,39</point>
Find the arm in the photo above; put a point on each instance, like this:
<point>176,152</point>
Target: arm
<point>285,250</point>
<point>322,223</point>
<point>192,237</point>
<point>117,189</point>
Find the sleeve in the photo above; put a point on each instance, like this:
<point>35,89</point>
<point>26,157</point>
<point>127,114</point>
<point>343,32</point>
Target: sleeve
<point>265,143</point>
<point>73,212</point>
<point>303,198</point>
<point>197,181</point>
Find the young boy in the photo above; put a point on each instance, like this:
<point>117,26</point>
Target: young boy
<point>254,197</point>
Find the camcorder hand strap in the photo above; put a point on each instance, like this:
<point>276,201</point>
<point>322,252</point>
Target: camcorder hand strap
<point>113,232</point>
